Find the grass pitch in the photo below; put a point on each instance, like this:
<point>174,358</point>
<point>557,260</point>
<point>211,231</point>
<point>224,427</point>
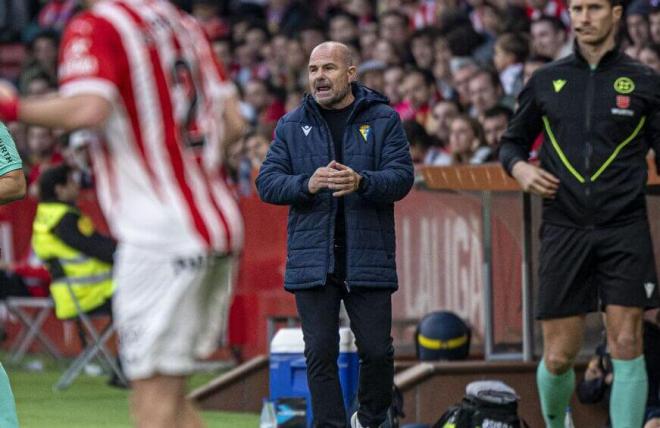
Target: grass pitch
<point>90,403</point>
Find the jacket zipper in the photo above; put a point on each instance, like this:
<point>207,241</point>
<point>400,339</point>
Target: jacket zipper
<point>588,146</point>
<point>320,119</point>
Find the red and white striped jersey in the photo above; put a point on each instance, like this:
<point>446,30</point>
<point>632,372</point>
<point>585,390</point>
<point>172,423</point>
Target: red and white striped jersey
<point>158,173</point>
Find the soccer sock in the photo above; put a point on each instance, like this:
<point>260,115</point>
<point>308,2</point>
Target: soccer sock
<point>629,390</point>
<point>555,393</point>
<point>8,416</point>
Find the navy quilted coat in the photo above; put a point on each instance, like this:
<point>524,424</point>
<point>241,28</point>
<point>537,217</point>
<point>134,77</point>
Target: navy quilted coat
<point>376,147</point>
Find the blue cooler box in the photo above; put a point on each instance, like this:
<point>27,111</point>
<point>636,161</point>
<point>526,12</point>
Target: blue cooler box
<point>288,371</point>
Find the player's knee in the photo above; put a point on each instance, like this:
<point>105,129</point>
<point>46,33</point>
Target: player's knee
<point>624,345</point>
<point>558,363</point>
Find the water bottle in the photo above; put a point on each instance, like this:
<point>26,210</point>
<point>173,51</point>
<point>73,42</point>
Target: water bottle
<point>568,419</point>
<point>268,418</point>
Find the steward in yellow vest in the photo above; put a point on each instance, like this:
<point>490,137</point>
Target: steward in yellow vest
<point>66,241</point>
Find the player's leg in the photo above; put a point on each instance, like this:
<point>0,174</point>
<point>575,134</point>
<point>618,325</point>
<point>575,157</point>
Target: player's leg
<point>159,402</point>
<point>8,416</point>
<point>627,284</point>
<point>555,377</point>
<point>630,386</point>
<point>566,294</point>
<point>156,309</point>
<point>319,312</point>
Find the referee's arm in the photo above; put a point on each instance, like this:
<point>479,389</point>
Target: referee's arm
<point>523,129</point>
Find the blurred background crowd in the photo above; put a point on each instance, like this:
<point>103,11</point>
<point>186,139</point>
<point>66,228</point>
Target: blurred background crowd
<point>451,68</point>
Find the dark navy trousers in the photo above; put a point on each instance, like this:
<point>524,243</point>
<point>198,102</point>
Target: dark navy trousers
<point>370,314</point>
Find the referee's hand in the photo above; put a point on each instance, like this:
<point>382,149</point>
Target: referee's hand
<point>535,180</point>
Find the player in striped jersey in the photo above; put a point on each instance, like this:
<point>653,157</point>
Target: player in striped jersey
<point>143,73</point>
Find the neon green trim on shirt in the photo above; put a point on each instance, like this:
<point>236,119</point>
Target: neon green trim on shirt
<point>607,163</point>
<point>560,153</point>
<point>619,148</point>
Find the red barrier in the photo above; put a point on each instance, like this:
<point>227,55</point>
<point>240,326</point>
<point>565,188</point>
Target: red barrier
<point>438,255</point>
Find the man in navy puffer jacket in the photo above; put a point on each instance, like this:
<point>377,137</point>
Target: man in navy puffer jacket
<point>340,161</point>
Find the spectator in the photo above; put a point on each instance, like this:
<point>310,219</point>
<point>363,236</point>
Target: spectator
<point>363,9</point>
<point>385,52</point>
<point>310,35</point>
<point>485,91</point>
<point>420,142</point>
<point>43,57</point>
<point>422,48</point>
<point>467,144</point>
<point>494,124</point>
<point>650,55</point>
<point>511,51</point>
<point>393,77</point>
<point>442,69</point>
<point>462,71</point>
<point>372,75</point>
<point>368,40</point>
<point>549,38</point>
<point>554,8</point>
<point>532,64</point>
<point>256,147</point>
<point>443,113</point>
<point>287,17</point>
<point>39,83</point>
<point>394,29</point>
<point>637,25</point>
<point>43,151</point>
<point>262,105</point>
<point>654,24</point>
<point>418,95</point>
<point>343,27</point>
<point>207,13</point>
<point>56,13</point>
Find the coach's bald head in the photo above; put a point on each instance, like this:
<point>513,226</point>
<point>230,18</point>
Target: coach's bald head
<point>331,72</point>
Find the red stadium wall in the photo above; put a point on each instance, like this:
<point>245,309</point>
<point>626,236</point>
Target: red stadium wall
<point>439,261</point>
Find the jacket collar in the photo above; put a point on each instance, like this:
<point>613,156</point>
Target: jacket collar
<point>364,96</point>
<point>606,60</point>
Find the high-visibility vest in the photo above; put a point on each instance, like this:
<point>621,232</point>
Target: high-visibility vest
<point>90,278</point>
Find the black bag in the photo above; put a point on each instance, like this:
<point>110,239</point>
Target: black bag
<point>485,405</point>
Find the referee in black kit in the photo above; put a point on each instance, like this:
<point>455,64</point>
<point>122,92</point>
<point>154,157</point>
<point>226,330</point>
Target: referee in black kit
<point>599,111</point>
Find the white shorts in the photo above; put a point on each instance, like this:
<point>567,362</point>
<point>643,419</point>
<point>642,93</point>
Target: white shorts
<point>169,311</point>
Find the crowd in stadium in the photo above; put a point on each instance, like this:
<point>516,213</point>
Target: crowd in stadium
<point>451,69</point>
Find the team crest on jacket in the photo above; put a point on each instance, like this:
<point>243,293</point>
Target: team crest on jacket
<point>622,101</point>
<point>364,131</point>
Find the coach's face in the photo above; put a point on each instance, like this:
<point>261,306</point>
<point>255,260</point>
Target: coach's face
<point>330,75</point>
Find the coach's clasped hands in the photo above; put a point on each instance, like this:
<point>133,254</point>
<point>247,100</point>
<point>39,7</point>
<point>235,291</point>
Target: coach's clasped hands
<point>8,102</point>
<point>536,180</point>
<point>335,176</point>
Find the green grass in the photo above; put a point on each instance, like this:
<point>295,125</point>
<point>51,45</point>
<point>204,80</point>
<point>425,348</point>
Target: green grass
<point>90,403</point>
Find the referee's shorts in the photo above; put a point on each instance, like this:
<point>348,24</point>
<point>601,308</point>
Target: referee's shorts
<point>582,270</point>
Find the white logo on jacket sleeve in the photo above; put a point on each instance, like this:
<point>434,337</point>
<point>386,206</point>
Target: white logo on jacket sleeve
<point>649,287</point>
<point>306,129</point>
